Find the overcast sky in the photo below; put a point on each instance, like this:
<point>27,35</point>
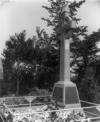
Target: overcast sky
<point>18,15</point>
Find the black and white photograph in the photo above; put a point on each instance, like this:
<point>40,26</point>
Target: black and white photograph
<point>49,60</point>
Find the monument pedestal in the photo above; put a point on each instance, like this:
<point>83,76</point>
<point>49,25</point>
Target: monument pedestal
<point>65,95</point>
<point>65,92</point>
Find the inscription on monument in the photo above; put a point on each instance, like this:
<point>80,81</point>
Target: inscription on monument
<point>71,96</point>
<point>58,94</point>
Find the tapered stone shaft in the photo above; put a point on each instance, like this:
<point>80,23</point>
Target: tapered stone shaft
<point>64,60</point>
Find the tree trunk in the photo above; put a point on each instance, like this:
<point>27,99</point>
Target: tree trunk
<point>18,83</point>
<point>17,90</point>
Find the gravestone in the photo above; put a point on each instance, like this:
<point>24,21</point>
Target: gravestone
<point>1,69</point>
<point>65,92</point>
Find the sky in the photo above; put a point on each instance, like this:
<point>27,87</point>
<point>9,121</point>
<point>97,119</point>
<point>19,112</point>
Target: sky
<point>17,15</point>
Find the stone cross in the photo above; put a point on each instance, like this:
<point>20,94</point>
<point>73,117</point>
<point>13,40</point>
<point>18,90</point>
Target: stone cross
<point>65,93</point>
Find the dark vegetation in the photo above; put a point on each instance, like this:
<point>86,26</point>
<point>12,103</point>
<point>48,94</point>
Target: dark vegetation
<point>34,62</point>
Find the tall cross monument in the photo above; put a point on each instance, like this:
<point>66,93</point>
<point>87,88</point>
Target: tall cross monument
<point>65,92</point>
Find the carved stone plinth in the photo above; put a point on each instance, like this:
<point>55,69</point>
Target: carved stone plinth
<point>65,95</point>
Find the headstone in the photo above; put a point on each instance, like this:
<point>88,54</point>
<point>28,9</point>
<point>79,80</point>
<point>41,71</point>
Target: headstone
<point>1,69</point>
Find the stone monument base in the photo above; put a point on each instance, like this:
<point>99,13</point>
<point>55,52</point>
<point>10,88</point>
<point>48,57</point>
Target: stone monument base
<point>65,95</point>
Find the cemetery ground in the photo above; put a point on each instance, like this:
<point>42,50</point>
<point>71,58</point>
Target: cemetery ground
<point>25,108</point>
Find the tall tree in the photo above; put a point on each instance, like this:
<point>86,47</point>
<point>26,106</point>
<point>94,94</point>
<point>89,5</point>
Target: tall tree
<point>85,52</point>
<point>29,62</point>
<point>83,46</point>
<point>48,65</point>
<point>18,58</point>
<point>55,11</point>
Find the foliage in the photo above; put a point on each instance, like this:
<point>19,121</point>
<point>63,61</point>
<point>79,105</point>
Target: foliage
<point>55,11</point>
<point>47,73</point>
<point>48,113</point>
<point>85,53</point>
<point>88,89</point>
<point>35,61</point>
<point>18,59</point>
<point>83,47</point>
<point>30,62</point>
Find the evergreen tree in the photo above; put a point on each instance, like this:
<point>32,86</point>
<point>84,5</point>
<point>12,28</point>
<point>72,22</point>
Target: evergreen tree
<point>88,89</point>
<point>48,70</point>
<point>85,53</point>
<point>55,11</point>
<point>83,46</point>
